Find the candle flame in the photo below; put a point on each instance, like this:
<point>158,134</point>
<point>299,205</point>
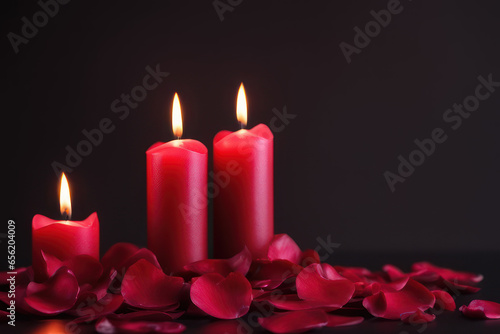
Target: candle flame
<point>176,117</point>
<point>241,106</point>
<point>64,197</point>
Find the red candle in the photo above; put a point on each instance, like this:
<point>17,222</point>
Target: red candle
<point>177,199</point>
<point>243,209</point>
<point>63,239</point>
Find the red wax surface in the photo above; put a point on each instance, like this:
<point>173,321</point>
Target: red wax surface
<point>243,208</point>
<point>63,239</point>
<point>177,203</point>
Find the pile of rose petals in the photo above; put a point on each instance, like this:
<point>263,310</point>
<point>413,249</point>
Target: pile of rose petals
<point>290,291</point>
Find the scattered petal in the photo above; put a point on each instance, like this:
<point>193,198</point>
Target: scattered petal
<point>340,320</point>
<point>417,317</point>
<point>444,300</point>
<point>461,277</point>
<point>294,303</point>
<point>239,263</point>
<point>107,326</point>
<point>322,283</point>
<point>271,274</point>
<point>223,298</point>
<point>283,247</point>
<point>295,321</point>
<point>146,286</point>
<point>118,254</point>
<point>90,310</point>
<point>390,305</point>
<point>309,256</point>
<point>86,268</point>
<point>482,309</point>
<point>56,295</point>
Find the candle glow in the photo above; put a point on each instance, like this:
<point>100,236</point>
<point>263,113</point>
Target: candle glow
<point>241,106</point>
<point>176,117</point>
<point>65,197</point>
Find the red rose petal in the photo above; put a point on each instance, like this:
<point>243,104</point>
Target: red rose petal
<point>107,326</point>
<point>417,317</point>
<point>444,300</point>
<point>146,286</point>
<point>240,263</point>
<point>322,283</point>
<point>117,255</point>
<point>271,274</point>
<point>394,272</point>
<point>354,274</point>
<point>283,247</point>
<point>142,254</point>
<point>294,303</point>
<point>223,298</point>
<point>309,256</point>
<point>56,295</point>
<point>482,309</point>
<point>89,311</point>
<point>340,320</point>
<point>390,305</point>
<point>294,322</point>
<point>86,268</point>
<point>461,277</point>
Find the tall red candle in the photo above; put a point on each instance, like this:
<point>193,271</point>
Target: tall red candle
<point>177,199</point>
<point>63,239</point>
<point>244,208</point>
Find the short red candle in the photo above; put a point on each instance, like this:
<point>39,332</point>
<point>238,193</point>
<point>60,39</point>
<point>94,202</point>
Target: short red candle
<point>177,202</point>
<point>244,208</point>
<point>63,239</point>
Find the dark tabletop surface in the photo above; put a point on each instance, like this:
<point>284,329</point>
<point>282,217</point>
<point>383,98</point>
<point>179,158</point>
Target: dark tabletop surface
<point>447,322</point>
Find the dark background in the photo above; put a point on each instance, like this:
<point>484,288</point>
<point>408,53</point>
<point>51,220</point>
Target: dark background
<point>352,120</point>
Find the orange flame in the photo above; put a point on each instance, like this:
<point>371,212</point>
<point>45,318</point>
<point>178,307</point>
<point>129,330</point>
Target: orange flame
<point>176,117</point>
<point>241,106</point>
<point>65,197</point>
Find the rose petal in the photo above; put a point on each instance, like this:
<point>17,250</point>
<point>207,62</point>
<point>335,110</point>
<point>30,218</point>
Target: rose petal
<point>444,300</point>
<point>223,298</point>
<point>309,256</point>
<point>117,255</point>
<point>322,283</point>
<point>295,321</point>
<point>271,274</point>
<point>390,305</point>
<point>240,263</point>
<point>56,295</point>
<point>146,286</point>
<point>394,272</point>
<point>91,310</point>
<point>294,303</point>
<point>100,289</point>
<point>482,309</point>
<point>107,326</point>
<point>354,274</point>
<point>461,277</point>
<point>340,320</point>
<point>86,268</point>
<point>417,317</point>
<point>283,247</point>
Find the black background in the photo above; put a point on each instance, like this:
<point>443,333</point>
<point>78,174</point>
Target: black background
<point>352,120</point>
